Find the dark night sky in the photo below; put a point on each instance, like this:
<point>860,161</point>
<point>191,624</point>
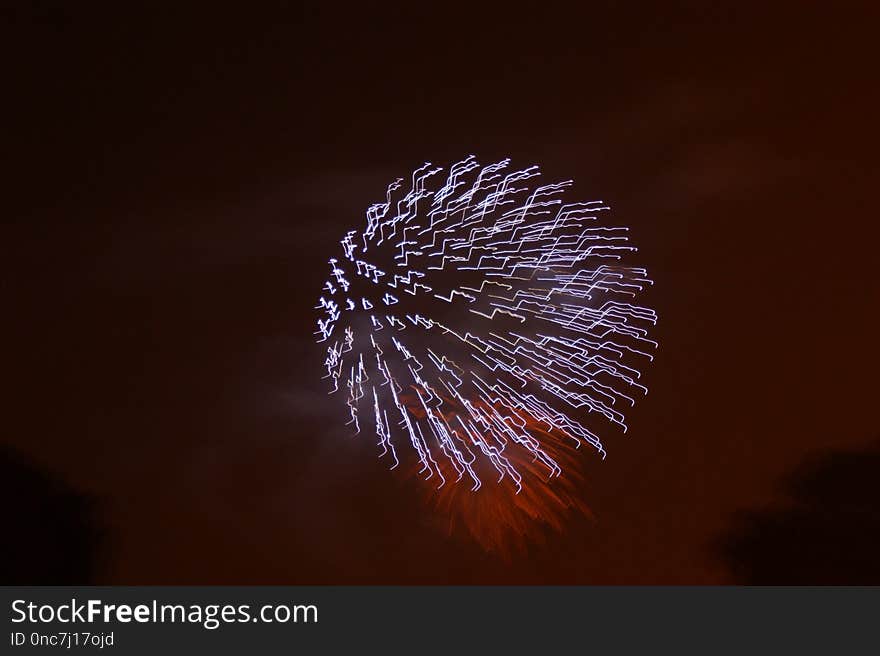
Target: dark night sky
<point>179,178</point>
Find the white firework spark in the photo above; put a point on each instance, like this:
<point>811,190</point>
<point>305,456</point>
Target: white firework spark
<point>467,313</point>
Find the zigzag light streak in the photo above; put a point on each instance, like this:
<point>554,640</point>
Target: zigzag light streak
<point>465,306</point>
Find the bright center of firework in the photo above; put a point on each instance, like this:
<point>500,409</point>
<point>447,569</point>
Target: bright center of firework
<point>474,318</point>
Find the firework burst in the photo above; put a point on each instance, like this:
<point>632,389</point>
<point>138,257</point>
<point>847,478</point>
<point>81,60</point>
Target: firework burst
<point>481,328</point>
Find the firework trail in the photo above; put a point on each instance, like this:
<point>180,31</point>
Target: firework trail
<point>479,326</point>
